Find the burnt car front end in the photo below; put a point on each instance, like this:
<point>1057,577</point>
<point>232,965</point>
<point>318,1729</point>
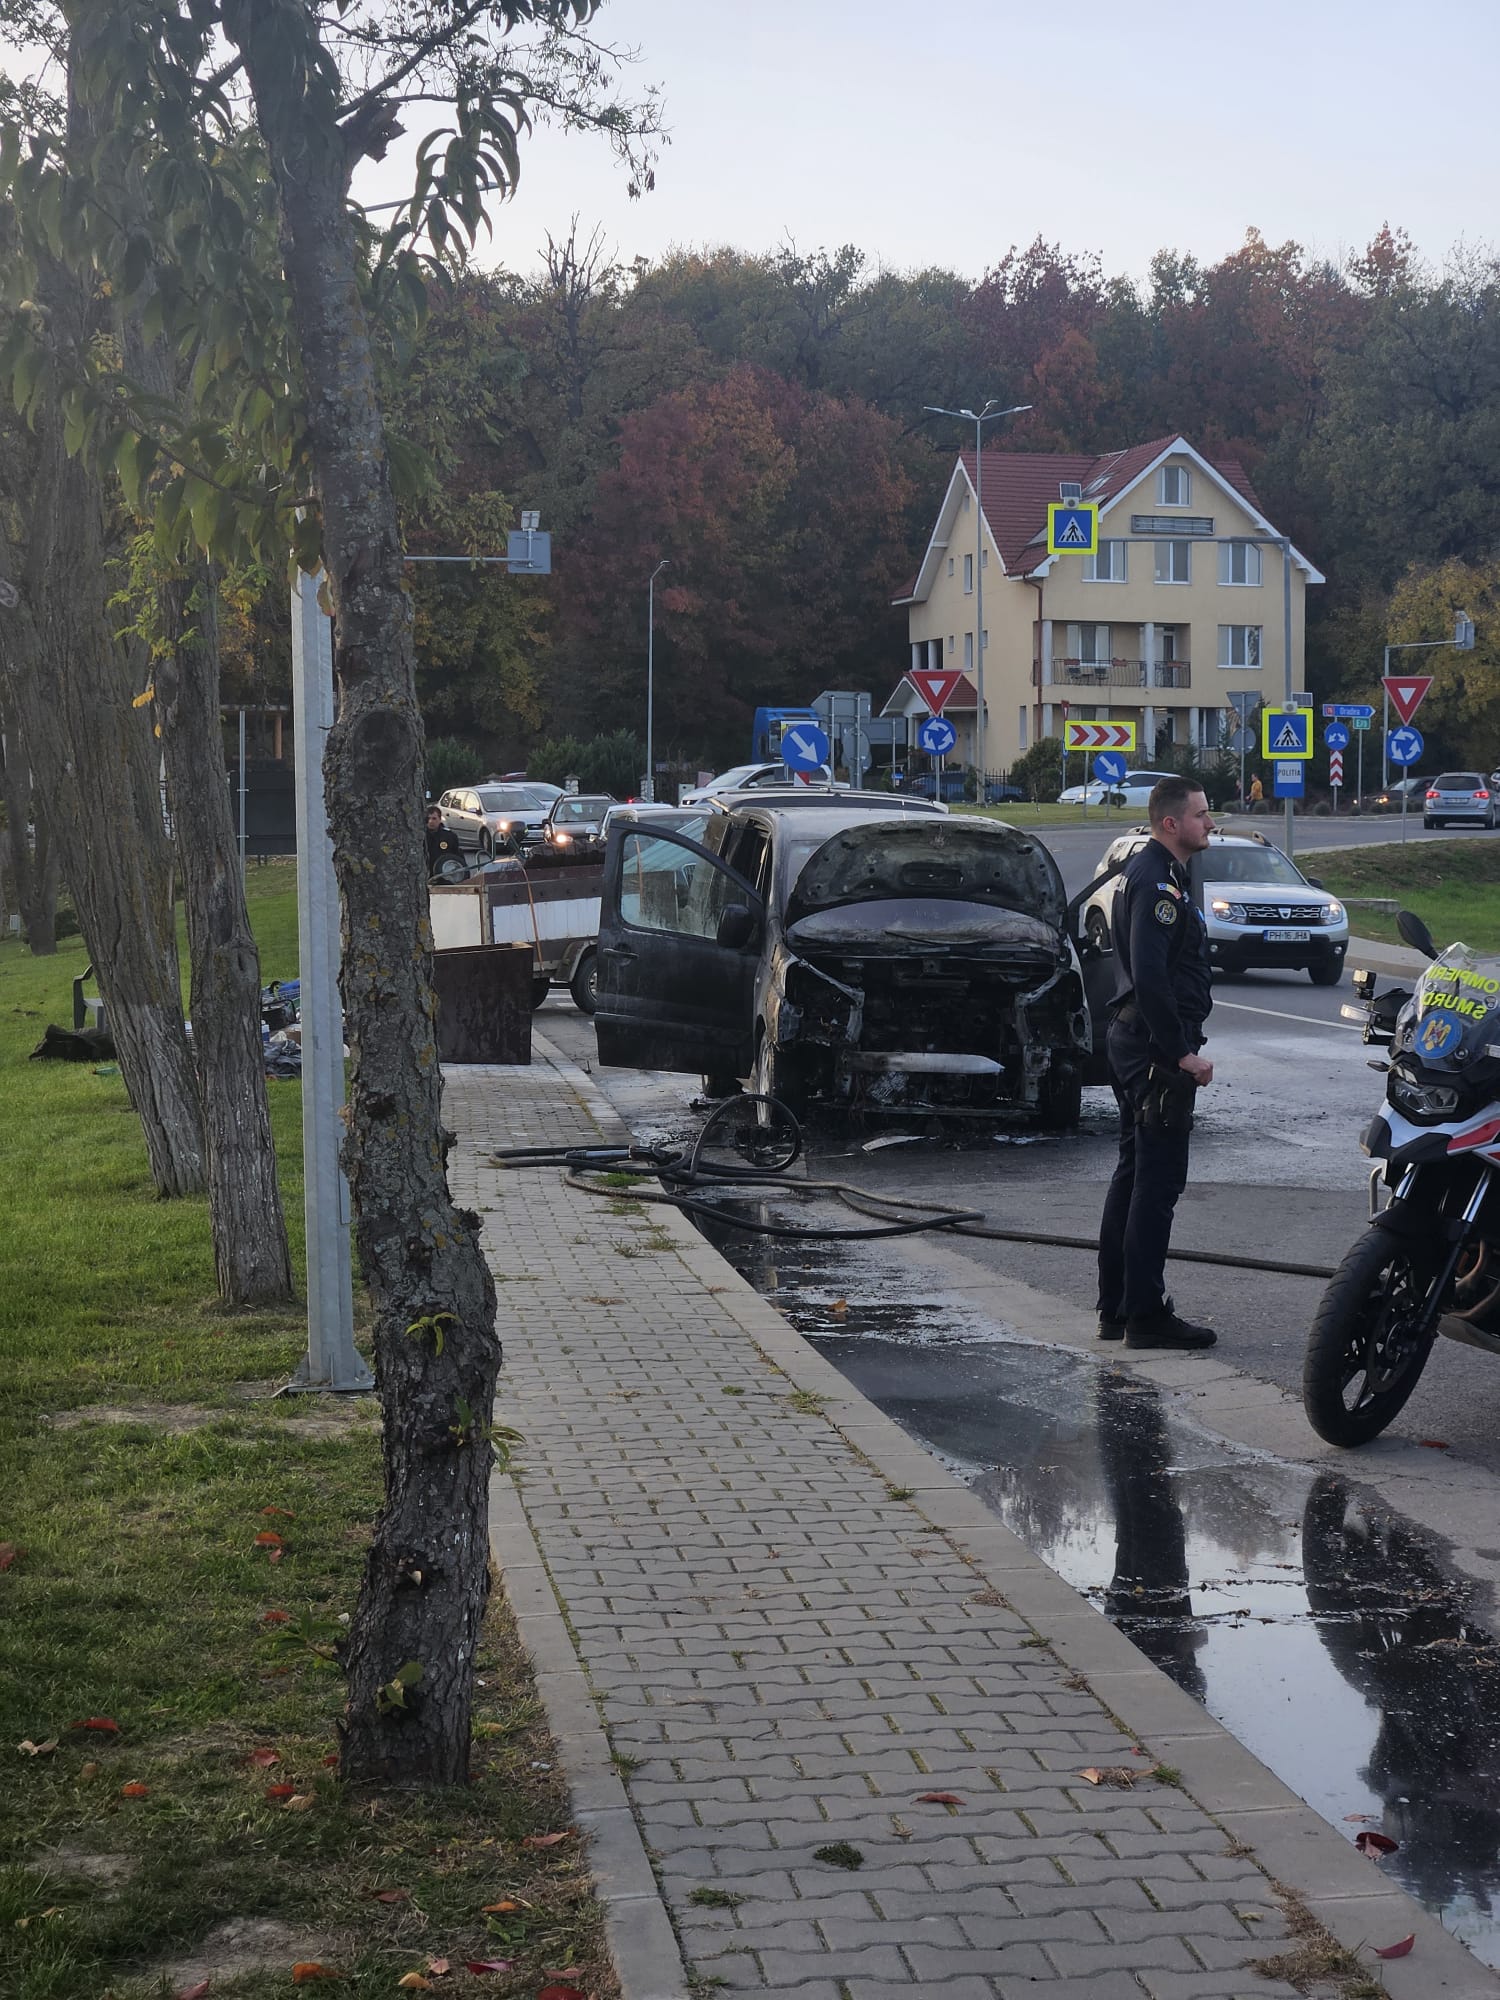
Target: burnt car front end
<point>923,967</point>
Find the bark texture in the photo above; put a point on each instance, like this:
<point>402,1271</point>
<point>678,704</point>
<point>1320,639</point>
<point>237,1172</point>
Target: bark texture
<point>416,1627</point>
<point>35,866</point>
<point>94,760</point>
<point>244,1200</point>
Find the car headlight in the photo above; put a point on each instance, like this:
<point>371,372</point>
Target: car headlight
<point>1334,913</point>
<point>562,839</point>
<point>1229,913</point>
<point>502,826</point>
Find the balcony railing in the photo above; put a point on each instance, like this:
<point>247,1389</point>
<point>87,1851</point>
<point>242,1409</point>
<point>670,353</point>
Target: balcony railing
<point>1118,673</point>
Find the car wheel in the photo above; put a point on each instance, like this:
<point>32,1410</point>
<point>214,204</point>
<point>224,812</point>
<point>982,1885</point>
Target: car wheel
<point>584,985</point>
<point>486,846</point>
<point>1326,972</point>
<point>777,1075</point>
<point>1060,1105</point>
<point>1096,930</point>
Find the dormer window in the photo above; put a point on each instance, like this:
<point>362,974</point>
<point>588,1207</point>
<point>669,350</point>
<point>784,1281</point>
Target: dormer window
<point>1174,486</point>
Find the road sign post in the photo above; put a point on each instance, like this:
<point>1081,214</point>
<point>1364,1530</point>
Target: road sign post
<point>1404,746</point>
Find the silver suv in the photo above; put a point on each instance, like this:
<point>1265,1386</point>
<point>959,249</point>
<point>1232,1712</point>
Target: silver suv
<point>1259,909</point>
<point>1460,795</point>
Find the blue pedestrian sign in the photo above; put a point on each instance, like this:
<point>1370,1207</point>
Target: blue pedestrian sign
<point>1336,736</point>
<point>804,747</point>
<point>1110,766</point>
<point>1072,529</point>
<point>1404,746</point>
<point>1286,732</point>
<point>936,736</point>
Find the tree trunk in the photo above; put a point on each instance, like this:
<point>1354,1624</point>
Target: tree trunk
<point>412,1643</point>
<point>33,852</point>
<point>244,1200</point>
<point>94,761</point>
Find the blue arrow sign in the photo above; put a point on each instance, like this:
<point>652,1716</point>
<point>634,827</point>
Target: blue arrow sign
<point>1110,766</point>
<point>804,747</point>
<point>1336,736</point>
<point>1404,746</point>
<point>936,736</point>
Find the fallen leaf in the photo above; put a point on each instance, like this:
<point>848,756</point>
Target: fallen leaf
<point>546,1839</point>
<point>102,1725</point>
<point>266,1539</point>
<point>1375,1843</point>
<point>438,1966</point>
<point>135,1790</point>
<point>1120,1776</point>
<point>1432,1444</point>
<point>839,1309</point>
<point>414,1982</point>
<point>300,1802</point>
<point>1362,1816</point>
<point>500,1909</point>
<point>193,1992</point>
<point>30,1749</point>
<point>488,1964</point>
<point>309,1969</point>
<point>1397,1950</point>
<point>8,1554</point>
<point>276,1555</point>
<point>87,1771</point>
<point>285,1512</point>
<point>276,1618</point>
<point>265,1758</point>
<point>391,1895</point>
<point>561,1992</point>
<point>331,1763</point>
<point>938,1799</point>
<point>278,1792</point>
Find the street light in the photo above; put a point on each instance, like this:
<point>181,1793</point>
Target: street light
<point>650,786</point>
<point>1462,641</point>
<point>978,418</point>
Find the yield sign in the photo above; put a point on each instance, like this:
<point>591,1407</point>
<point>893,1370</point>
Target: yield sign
<point>1406,692</point>
<point>936,686</point>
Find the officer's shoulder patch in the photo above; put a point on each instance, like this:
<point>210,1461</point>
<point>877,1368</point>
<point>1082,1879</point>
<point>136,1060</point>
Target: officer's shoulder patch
<point>1166,910</point>
<point>1170,889</point>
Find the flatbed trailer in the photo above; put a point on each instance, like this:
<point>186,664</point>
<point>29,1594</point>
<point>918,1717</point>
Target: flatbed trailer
<point>553,907</point>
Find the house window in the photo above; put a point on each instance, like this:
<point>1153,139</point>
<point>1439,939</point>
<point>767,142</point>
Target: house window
<point>950,644</point>
<point>1174,562</point>
<point>1174,486</point>
<point>1171,643</point>
<point>1239,645</point>
<point>950,565</point>
<point>1022,713</point>
<point>1108,566</point>
<point>1093,645</point>
<point>968,574</point>
<point>1239,562</point>
<point>968,652</point>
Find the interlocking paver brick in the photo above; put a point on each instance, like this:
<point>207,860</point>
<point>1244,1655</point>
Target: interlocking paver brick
<point>795,1657</point>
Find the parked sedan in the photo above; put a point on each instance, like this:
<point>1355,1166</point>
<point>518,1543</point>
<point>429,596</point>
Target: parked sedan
<point>489,819</point>
<point>871,957</point>
<point>575,823</point>
<point>1134,789</point>
<point>1462,796</point>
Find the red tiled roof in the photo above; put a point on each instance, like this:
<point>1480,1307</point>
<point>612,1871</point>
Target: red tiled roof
<point>1018,485</point>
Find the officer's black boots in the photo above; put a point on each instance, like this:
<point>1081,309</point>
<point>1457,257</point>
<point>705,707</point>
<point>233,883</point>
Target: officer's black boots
<point>1111,1329</point>
<point>1167,1329</point>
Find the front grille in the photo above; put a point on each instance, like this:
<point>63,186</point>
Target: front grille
<point>1285,913</point>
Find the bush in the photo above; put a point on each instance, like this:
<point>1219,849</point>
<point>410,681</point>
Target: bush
<point>1038,771</point>
<point>610,764</point>
<point>448,762</point>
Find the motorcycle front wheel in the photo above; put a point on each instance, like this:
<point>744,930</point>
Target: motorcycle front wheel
<point>1364,1354</point>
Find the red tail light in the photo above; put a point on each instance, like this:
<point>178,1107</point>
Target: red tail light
<point>1434,794</point>
<point>1481,795</point>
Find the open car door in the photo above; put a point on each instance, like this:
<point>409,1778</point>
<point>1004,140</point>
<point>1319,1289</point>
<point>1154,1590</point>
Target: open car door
<point>680,936</point>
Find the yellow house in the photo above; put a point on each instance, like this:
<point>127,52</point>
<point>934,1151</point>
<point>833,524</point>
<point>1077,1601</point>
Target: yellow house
<point>1182,606</point>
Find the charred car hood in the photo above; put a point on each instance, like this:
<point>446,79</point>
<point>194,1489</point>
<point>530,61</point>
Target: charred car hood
<point>922,863</point>
<point>922,926</point>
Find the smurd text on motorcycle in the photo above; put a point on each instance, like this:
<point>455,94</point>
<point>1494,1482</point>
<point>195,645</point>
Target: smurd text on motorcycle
<point>1160,1003</point>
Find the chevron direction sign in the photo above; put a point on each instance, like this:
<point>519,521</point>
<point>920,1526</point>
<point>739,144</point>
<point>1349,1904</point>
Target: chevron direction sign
<point>1098,735</point>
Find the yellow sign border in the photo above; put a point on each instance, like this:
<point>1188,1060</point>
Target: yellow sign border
<point>1056,507</point>
<point>1284,756</point>
<point>1124,749</point>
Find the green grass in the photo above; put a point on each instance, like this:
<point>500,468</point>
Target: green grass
<point>1452,885</point>
<point>139,1452</point>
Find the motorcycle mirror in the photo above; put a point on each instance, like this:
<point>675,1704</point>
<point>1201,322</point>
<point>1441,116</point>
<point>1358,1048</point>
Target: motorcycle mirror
<point>1415,933</point>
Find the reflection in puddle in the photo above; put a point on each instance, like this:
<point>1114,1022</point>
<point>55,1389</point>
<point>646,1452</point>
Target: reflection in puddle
<point>1321,1630</point>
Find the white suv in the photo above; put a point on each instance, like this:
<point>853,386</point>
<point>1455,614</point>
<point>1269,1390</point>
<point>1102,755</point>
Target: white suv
<point>1259,908</point>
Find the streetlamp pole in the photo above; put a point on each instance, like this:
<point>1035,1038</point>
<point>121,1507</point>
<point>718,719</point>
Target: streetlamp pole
<point>1462,641</point>
<point>978,418</point>
<point>650,787</point>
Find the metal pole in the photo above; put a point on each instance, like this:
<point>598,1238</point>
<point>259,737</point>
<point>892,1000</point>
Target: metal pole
<point>1286,638</point>
<point>332,1361</point>
<point>650,787</point>
<point>1385,720</point>
<point>242,794</point>
<point>1360,792</point>
<point>979,604</point>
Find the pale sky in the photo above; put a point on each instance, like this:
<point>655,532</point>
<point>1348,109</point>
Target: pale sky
<point>943,135</point>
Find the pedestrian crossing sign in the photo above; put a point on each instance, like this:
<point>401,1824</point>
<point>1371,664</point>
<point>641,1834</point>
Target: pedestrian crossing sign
<point>1286,732</point>
<point>1072,529</point>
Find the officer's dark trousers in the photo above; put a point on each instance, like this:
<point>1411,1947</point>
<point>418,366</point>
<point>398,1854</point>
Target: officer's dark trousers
<point>1151,1173</point>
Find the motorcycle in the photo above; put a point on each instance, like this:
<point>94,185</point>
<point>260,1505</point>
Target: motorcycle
<point>1429,1262</point>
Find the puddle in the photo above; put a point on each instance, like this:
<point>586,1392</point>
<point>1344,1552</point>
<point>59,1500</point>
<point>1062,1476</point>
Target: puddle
<point>1323,1631</point>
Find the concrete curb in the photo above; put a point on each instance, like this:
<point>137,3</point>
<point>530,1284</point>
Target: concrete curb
<point>1292,1843</point>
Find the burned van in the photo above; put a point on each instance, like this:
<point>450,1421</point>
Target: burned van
<point>867,955</point>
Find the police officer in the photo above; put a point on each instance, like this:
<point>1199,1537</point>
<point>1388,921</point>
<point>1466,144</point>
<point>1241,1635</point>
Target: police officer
<point>441,844</point>
<point>1160,1003</point>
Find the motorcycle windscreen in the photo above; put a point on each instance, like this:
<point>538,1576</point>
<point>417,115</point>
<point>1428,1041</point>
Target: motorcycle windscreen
<point>957,860</point>
<point>1454,1015</point>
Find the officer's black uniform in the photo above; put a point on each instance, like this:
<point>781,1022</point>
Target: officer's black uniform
<point>1160,1003</point>
<point>441,846</point>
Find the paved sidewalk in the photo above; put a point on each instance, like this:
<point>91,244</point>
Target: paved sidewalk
<point>794,1623</point>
